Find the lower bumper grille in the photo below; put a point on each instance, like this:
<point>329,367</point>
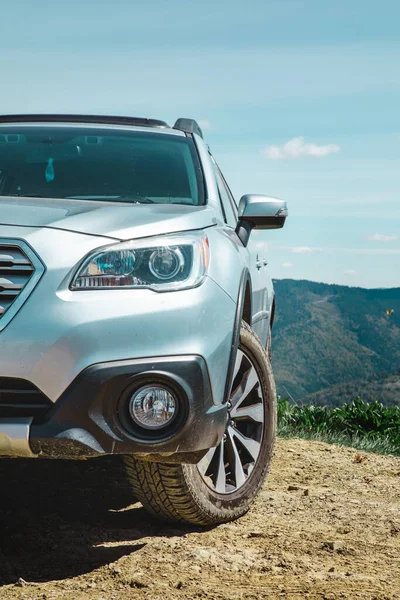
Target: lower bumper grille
<point>20,398</point>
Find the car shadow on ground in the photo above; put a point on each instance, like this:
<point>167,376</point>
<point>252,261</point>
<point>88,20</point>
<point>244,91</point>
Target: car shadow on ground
<point>55,516</point>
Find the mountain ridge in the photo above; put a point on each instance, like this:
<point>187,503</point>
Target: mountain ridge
<point>327,335</point>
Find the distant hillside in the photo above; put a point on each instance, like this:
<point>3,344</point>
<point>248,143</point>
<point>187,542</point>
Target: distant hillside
<point>332,342</point>
<point>384,388</point>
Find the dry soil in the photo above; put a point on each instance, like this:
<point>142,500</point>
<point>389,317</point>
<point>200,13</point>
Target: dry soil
<point>326,526</point>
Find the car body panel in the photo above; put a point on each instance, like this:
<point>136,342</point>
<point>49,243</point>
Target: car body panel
<point>261,283</point>
<point>254,257</point>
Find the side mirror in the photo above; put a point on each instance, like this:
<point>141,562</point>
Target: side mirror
<point>259,212</point>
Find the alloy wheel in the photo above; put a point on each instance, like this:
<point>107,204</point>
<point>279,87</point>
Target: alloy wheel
<point>226,467</point>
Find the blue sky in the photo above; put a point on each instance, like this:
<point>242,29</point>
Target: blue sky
<point>258,75</point>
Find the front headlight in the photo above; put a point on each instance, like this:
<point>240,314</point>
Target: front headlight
<point>163,264</point>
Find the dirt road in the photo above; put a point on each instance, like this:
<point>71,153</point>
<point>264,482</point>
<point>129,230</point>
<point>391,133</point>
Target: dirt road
<point>326,526</point>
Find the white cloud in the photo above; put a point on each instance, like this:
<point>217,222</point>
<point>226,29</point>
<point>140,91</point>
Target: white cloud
<point>349,272</point>
<point>205,124</point>
<point>287,265</point>
<point>298,148</point>
<point>380,237</point>
<point>304,250</point>
<point>328,250</point>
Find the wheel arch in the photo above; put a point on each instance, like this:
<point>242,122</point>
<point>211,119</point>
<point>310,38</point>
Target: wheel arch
<point>246,309</point>
<point>243,311</point>
<point>272,318</point>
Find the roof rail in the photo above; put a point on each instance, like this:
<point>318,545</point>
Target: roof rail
<point>107,120</point>
<point>188,126</point>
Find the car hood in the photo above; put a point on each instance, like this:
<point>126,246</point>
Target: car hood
<point>116,220</point>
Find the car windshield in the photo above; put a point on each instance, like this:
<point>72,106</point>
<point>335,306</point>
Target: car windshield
<point>99,164</point>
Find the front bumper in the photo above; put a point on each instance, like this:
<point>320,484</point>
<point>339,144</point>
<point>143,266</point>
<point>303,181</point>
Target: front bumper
<point>86,420</point>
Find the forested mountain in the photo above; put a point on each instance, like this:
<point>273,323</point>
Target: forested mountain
<point>332,343</point>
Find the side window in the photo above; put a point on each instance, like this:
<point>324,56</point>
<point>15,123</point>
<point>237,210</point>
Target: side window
<point>227,201</point>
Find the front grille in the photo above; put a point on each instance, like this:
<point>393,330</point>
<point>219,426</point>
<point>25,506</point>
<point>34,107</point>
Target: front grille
<point>20,398</point>
<point>20,270</point>
<point>15,271</point>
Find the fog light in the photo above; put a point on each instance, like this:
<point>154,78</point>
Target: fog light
<point>152,407</point>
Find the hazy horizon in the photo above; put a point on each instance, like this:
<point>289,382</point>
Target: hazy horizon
<point>395,287</point>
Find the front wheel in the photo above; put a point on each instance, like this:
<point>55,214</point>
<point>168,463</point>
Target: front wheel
<point>224,484</point>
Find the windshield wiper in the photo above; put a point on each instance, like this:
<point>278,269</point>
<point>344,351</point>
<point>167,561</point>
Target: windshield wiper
<point>136,199</point>
<point>131,199</point>
<point>26,196</point>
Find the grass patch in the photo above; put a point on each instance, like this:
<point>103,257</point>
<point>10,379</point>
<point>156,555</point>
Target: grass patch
<point>377,445</point>
<point>370,427</point>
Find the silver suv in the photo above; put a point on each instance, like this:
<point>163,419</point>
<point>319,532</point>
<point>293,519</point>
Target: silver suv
<point>136,310</point>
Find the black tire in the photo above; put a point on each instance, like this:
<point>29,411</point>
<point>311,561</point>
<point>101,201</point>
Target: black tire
<point>180,492</point>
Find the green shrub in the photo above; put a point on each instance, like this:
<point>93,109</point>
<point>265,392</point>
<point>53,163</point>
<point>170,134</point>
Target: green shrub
<point>370,423</point>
